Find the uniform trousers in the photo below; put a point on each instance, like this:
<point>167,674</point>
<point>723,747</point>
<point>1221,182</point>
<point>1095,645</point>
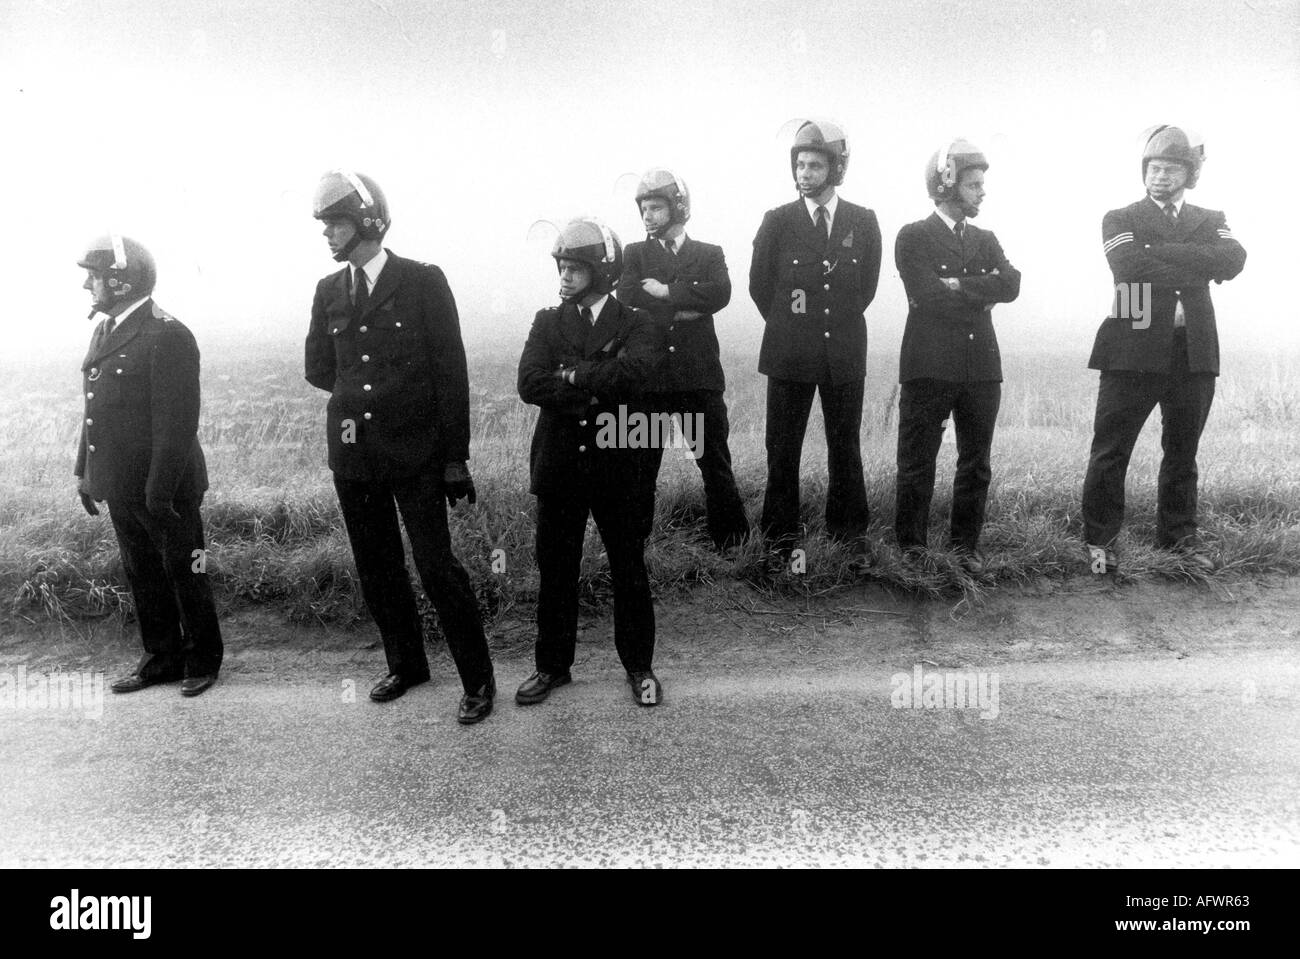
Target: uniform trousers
<point>1124,401</point>
<point>561,528</point>
<point>725,520</point>
<point>166,569</point>
<point>788,406</point>
<point>923,407</point>
<point>370,510</point>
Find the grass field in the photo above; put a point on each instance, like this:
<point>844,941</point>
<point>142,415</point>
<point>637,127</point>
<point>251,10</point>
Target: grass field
<point>276,537</point>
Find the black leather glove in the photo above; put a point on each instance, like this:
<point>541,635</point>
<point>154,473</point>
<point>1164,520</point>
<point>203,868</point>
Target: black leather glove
<point>458,484</point>
<point>88,504</point>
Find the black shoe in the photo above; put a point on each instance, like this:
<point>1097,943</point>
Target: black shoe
<point>197,685</point>
<point>474,708</point>
<point>1193,555</point>
<point>539,685</point>
<point>135,682</point>
<point>392,686</point>
<point>1101,560</point>
<point>913,558</point>
<point>863,559</point>
<point>971,560</point>
<point>646,688</point>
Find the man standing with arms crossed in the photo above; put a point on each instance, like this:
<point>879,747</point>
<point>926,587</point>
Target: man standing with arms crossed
<point>814,272</point>
<point>385,342</point>
<point>953,273</point>
<point>682,282</point>
<point>1160,346</point>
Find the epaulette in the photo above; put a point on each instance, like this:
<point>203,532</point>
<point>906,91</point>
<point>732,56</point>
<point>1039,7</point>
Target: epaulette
<point>160,314</point>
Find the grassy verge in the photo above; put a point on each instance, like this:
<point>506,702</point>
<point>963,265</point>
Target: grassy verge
<point>275,535</point>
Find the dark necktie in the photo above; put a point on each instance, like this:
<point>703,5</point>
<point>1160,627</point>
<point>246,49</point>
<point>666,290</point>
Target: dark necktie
<point>586,315</point>
<point>360,292</point>
<point>959,228</point>
<point>109,324</point>
<point>668,246</point>
<point>823,223</point>
<point>1171,214</point>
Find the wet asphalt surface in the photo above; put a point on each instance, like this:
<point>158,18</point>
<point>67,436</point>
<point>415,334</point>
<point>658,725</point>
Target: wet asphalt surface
<point>1142,761</point>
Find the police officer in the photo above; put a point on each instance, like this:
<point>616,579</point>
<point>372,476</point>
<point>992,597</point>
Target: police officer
<point>385,342</point>
<point>681,283</point>
<point>139,452</point>
<point>814,272</point>
<point>585,364</point>
<point>953,273</point>
<point>1160,346</point>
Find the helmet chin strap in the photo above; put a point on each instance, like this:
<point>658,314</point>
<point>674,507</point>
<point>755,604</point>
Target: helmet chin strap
<point>346,250</point>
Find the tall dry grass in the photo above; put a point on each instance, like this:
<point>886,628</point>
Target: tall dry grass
<point>276,536</point>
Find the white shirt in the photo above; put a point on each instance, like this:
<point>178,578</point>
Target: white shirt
<point>830,205</point>
<point>1160,205</point>
<point>373,269</point>
<point>947,219</point>
<point>596,308</point>
<point>674,242</point>
<point>100,316</point>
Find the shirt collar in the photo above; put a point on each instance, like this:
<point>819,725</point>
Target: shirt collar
<point>830,205</point>
<point>948,221</point>
<point>372,269</point>
<point>596,308</point>
<point>99,315</point>
<point>676,241</point>
<point>1160,205</point>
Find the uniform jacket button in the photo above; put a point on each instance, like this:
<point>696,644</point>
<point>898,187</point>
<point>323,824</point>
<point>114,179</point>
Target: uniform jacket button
<point>366,387</point>
<point>582,422</point>
<point>89,421</point>
<point>972,336</point>
<point>399,324</point>
<point>672,349</point>
<point>365,416</point>
<point>90,396</point>
<point>119,372</point>
<point>365,357</point>
<point>91,447</point>
<point>826,286</point>
<point>795,262</point>
<point>362,330</point>
<point>582,449</point>
<point>827,334</point>
<point>827,311</point>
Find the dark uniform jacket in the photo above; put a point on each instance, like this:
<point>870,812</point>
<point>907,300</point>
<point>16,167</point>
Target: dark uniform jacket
<point>613,360</point>
<point>813,292</point>
<point>949,333</point>
<point>697,281</point>
<point>1179,261</point>
<point>139,437</point>
<point>399,390</point>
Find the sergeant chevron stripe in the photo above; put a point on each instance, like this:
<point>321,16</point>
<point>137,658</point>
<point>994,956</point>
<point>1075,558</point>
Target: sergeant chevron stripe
<point>1117,240</point>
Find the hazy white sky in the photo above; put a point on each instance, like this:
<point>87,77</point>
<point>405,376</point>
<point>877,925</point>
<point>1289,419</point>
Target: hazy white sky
<point>201,128</point>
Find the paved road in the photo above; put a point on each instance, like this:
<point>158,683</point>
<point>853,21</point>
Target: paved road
<point>1137,761</point>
